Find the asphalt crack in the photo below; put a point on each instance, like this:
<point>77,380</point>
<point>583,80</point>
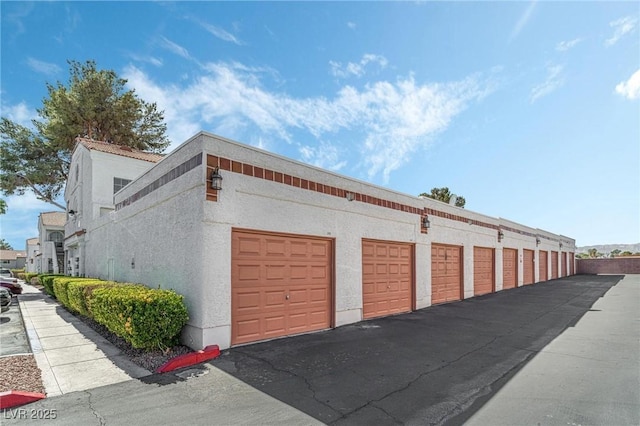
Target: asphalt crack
<point>303,378</point>
<point>97,415</point>
<point>410,383</point>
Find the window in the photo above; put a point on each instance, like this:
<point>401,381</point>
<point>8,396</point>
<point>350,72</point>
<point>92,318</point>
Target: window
<point>56,236</point>
<point>119,183</point>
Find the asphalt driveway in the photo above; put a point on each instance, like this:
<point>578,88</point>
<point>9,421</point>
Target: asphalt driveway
<point>437,365</point>
<point>561,352</point>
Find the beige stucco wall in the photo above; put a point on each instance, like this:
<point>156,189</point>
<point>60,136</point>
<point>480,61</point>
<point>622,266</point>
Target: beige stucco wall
<point>176,239</point>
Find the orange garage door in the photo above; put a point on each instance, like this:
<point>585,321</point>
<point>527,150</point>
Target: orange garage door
<point>554,265</point>
<point>509,268</point>
<point>446,273</point>
<point>563,258</point>
<point>528,266</point>
<point>571,263</point>
<point>483,276</point>
<point>543,266</point>
<point>280,285</point>
<point>387,278</point>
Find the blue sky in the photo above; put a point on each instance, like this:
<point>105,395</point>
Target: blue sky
<point>530,110</point>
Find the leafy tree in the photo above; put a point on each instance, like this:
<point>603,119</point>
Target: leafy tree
<point>443,194</point>
<point>3,206</point>
<point>626,253</point>
<point>5,245</point>
<point>593,253</point>
<point>94,104</point>
<point>615,252</point>
<point>582,256</point>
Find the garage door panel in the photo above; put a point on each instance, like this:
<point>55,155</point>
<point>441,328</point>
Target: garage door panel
<point>509,268</point>
<point>554,265</point>
<point>446,278</point>
<point>248,272</point>
<point>280,285</point>
<point>528,266</point>
<point>275,247</point>
<point>483,270</point>
<point>543,266</point>
<point>247,301</point>
<point>386,270</point>
<point>248,246</point>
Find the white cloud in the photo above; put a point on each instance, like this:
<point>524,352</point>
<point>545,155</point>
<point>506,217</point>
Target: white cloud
<point>175,48</point>
<point>357,69</point>
<point>563,46</point>
<point>42,67</point>
<point>553,82</point>
<point>325,155</point>
<point>382,124</point>
<point>352,25</point>
<point>630,89</point>
<point>523,20</point>
<point>148,59</point>
<point>19,113</point>
<point>621,27</point>
<point>220,33</point>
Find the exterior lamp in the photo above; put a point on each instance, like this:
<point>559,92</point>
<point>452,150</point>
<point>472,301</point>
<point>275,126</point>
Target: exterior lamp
<point>216,179</point>
<point>537,241</point>
<point>560,245</point>
<point>500,235</point>
<point>425,222</point>
<point>72,213</point>
<point>350,196</point>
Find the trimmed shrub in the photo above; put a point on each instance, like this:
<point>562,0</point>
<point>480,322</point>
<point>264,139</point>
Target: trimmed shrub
<point>79,293</point>
<point>28,276</point>
<point>17,272</point>
<point>47,281</point>
<point>60,286</point>
<point>146,318</point>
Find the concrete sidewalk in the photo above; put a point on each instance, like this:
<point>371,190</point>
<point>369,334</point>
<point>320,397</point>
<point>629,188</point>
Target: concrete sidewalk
<point>71,356</point>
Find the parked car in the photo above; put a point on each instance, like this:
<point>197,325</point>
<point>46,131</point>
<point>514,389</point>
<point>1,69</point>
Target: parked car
<point>11,284</point>
<point>6,273</point>
<point>5,299</point>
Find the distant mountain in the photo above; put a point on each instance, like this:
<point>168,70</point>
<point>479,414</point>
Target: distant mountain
<point>607,248</point>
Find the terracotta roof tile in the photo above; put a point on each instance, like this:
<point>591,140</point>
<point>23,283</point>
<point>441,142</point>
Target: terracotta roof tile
<point>122,150</point>
<point>53,218</point>
<point>11,254</point>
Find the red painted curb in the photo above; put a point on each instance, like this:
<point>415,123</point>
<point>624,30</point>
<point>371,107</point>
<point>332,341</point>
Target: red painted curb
<point>11,399</point>
<point>186,360</point>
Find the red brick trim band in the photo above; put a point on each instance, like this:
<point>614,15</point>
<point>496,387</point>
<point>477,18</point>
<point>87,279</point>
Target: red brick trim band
<point>271,175</point>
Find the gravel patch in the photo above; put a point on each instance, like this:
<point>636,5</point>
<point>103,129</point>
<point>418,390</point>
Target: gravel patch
<point>20,373</point>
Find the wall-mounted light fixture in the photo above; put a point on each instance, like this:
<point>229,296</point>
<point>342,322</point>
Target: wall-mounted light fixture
<point>426,223</point>
<point>72,213</point>
<point>350,196</point>
<point>470,222</point>
<point>561,245</point>
<point>216,179</point>
<point>500,235</point>
<point>537,241</point>
<point>133,263</point>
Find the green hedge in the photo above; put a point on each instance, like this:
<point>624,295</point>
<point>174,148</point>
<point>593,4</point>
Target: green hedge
<point>26,276</point>
<point>60,288</point>
<point>47,281</point>
<point>146,318</point>
<point>79,292</point>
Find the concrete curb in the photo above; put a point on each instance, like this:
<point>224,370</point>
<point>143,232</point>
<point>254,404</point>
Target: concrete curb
<point>187,360</point>
<point>12,399</point>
